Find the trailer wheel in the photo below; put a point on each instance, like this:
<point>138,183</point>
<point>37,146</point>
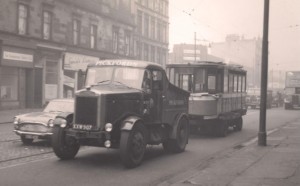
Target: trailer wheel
<point>26,141</point>
<point>65,147</point>
<point>238,124</point>
<point>178,145</point>
<point>221,128</point>
<point>133,146</point>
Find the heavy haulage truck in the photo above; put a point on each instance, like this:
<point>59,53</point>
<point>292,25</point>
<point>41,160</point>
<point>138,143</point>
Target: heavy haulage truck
<point>126,105</point>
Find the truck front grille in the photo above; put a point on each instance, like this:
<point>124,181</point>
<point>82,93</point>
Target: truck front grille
<point>86,111</point>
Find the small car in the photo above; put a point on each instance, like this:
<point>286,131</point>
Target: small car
<point>38,125</point>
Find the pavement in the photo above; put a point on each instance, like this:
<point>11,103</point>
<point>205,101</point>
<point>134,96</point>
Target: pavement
<point>247,164</point>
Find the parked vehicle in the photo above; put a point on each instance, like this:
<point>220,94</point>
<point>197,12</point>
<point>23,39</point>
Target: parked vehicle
<point>218,93</point>
<point>292,90</point>
<point>38,125</point>
<point>126,105</point>
<point>253,98</point>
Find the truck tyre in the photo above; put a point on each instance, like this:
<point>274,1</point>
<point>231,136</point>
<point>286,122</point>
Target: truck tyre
<point>133,146</point>
<point>221,128</point>
<point>26,141</point>
<point>64,147</point>
<point>178,145</point>
<point>238,124</point>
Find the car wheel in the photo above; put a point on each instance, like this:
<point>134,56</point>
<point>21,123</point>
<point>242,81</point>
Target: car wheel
<point>133,146</point>
<point>26,141</point>
<point>65,147</point>
<point>178,145</point>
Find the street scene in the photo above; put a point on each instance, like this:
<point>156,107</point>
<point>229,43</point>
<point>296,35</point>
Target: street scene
<point>149,92</point>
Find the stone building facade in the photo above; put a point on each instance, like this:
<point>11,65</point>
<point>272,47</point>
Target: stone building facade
<point>45,45</point>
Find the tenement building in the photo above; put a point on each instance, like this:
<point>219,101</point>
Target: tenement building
<point>46,45</point>
<point>151,36</point>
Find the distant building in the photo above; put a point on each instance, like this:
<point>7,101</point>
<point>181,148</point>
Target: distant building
<point>151,35</point>
<point>246,52</point>
<point>46,44</point>
<point>185,53</point>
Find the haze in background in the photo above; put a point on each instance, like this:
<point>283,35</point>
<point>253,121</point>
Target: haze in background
<point>214,19</point>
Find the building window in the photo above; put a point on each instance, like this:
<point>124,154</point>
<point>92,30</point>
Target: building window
<point>146,26</point>
<point>47,19</point>
<point>146,52</point>
<point>138,50</point>
<point>152,53</point>
<point>93,36</point>
<point>158,36</point>
<point>22,19</point>
<point>76,31</point>
<point>127,44</point>
<point>115,40</point>
<point>152,28</point>
<point>139,22</point>
<point>158,55</point>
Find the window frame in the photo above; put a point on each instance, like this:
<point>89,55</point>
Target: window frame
<point>26,29</point>
<point>93,36</point>
<point>50,25</point>
<point>76,31</point>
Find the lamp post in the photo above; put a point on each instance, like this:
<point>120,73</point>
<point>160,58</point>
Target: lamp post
<point>262,136</point>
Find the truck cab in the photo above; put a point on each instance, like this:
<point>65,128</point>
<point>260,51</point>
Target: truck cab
<point>126,105</point>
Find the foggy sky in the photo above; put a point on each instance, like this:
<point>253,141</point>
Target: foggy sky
<point>214,19</point>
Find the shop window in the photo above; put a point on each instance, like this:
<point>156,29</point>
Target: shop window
<point>47,19</point>
<point>22,19</point>
<point>9,84</point>
<point>76,32</point>
<point>51,83</point>
<point>93,36</point>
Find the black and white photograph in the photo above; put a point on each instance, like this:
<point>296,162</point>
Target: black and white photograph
<point>150,92</point>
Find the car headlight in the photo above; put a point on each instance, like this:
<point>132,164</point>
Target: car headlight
<point>108,127</point>
<point>60,122</point>
<point>16,120</point>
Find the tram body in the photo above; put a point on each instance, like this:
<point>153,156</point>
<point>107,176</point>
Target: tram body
<point>218,94</point>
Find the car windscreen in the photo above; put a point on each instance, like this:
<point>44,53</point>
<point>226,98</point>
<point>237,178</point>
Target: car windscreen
<point>131,77</point>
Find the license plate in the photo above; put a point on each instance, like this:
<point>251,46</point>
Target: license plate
<point>82,127</point>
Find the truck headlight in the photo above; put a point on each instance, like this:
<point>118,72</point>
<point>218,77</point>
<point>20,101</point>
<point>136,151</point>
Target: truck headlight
<point>108,127</point>
<point>16,120</point>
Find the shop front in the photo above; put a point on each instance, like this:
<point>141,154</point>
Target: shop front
<point>16,78</point>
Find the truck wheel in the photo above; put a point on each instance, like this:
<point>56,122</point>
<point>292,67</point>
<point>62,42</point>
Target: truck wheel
<point>238,124</point>
<point>178,145</point>
<point>133,146</point>
<point>221,128</point>
<point>65,147</point>
<point>26,141</point>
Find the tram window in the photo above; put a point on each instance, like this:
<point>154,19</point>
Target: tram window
<point>186,82</point>
<point>235,83</point>
<point>240,84</point>
<point>171,75</point>
<point>211,82</point>
<point>244,84</point>
<point>225,81</point>
<point>200,85</point>
<point>230,82</point>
